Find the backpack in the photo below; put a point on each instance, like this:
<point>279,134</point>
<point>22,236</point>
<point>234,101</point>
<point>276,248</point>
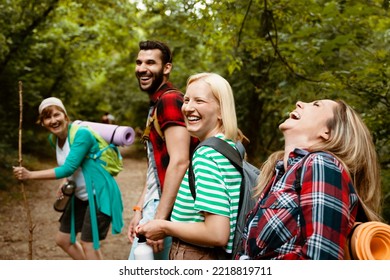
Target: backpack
<point>153,120</point>
<point>249,174</point>
<point>108,155</point>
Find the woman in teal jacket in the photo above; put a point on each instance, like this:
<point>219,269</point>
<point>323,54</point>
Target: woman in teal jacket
<point>97,201</point>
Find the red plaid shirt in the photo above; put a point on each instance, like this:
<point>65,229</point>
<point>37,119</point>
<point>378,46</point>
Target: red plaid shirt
<point>168,114</point>
<point>328,201</point>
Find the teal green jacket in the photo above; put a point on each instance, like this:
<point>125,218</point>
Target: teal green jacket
<point>98,181</point>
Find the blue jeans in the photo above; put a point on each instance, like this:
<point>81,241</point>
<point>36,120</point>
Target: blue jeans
<point>148,213</point>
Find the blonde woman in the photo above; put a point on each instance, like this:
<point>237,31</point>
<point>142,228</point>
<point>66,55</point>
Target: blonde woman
<point>203,228</point>
<point>309,194</point>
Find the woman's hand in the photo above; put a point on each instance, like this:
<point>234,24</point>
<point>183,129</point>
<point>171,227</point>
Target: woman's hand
<point>153,229</point>
<point>154,233</point>
<point>214,231</point>
<point>21,173</point>
<point>60,194</point>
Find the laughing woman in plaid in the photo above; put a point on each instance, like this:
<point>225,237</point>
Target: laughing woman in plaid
<point>310,193</point>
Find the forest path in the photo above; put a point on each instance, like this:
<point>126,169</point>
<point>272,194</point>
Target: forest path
<point>14,233</point>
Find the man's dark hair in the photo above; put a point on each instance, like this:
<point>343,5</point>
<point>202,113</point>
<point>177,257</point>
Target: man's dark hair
<point>152,45</point>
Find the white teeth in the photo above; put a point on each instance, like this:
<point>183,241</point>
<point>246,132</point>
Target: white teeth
<point>295,115</point>
<point>192,118</point>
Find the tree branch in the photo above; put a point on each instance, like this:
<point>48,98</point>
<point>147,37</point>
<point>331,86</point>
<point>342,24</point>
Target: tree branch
<point>24,34</point>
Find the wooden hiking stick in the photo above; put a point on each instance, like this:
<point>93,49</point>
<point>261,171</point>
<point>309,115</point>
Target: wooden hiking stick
<point>26,206</point>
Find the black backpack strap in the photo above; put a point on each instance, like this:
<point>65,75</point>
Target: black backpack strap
<point>222,147</point>
<point>225,149</point>
<point>361,214</point>
<point>298,186</point>
<point>191,180</point>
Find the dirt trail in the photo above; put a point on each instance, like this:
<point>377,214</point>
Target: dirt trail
<point>41,196</point>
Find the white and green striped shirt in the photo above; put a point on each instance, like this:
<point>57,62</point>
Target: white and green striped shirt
<point>217,185</point>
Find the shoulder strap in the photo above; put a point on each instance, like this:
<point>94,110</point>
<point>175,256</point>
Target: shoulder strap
<point>241,149</point>
<point>72,132</point>
<point>52,140</point>
<point>225,149</point>
<point>72,129</point>
<point>153,120</point>
<point>156,124</point>
<point>298,188</point>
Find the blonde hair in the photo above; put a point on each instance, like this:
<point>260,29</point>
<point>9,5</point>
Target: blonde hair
<point>351,143</point>
<point>223,93</point>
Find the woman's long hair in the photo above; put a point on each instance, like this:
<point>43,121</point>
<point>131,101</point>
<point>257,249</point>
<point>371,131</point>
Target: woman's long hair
<point>223,93</point>
<point>351,143</point>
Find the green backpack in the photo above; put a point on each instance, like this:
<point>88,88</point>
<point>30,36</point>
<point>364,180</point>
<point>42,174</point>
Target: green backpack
<point>108,155</point>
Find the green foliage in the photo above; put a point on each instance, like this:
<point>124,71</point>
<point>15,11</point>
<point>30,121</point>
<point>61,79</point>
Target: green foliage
<point>272,52</point>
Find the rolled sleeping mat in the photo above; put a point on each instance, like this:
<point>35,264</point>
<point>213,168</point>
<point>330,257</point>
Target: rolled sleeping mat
<point>112,133</point>
<point>369,241</point>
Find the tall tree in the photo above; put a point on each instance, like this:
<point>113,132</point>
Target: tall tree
<point>272,52</point>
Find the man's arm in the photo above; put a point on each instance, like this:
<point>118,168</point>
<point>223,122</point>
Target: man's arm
<point>177,140</point>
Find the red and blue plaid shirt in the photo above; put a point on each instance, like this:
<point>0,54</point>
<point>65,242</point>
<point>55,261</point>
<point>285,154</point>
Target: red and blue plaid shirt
<point>168,114</point>
<point>328,203</point>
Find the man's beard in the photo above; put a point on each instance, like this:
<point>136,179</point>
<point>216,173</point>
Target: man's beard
<point>159,78</point>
